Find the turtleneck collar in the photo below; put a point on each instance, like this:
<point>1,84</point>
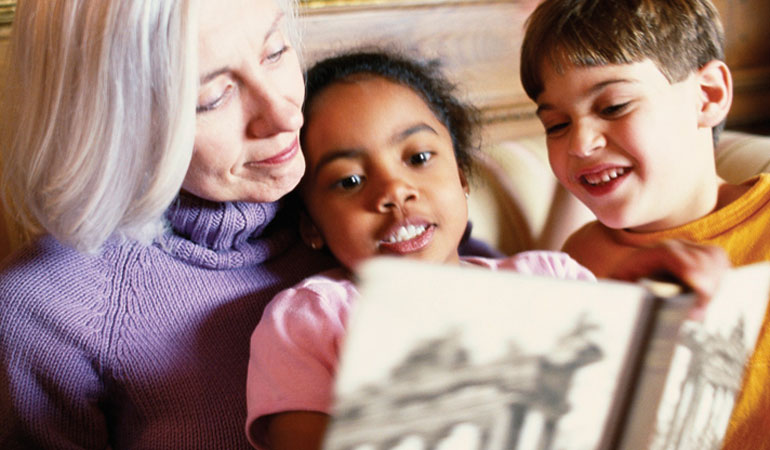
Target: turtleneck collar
<point>224,235</point>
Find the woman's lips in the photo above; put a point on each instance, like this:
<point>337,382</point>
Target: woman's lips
<point>286,154</point>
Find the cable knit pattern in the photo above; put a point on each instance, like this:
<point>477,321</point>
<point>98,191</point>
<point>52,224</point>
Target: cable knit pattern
<point>142,346</point>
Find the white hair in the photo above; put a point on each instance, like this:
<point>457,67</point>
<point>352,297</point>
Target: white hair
<point>290,8</point>
<point>98,116</point>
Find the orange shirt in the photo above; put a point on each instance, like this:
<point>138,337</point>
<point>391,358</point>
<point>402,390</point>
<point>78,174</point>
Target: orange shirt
<point>742,228</point>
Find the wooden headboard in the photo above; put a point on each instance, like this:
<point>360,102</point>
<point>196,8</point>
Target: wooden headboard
<point>477,41</point>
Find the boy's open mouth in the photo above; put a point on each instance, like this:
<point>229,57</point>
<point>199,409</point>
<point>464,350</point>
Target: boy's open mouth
<point>604,176</point>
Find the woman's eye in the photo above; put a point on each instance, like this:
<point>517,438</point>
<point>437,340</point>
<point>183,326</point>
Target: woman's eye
<point>275,56</point>
<point>614,109</point>
<point>420,158</point>
<point>209,101</point>
<point>350,182</point>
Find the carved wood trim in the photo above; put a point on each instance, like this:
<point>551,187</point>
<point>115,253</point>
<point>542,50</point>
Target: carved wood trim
<point>7,8</point>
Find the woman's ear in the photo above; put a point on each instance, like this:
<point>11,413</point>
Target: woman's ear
<point>309,232</point>
<point>716,93</point>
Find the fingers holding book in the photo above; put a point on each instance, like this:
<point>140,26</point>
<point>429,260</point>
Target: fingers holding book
<point>696,267</point>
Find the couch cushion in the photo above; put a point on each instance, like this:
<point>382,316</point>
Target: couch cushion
<point>740,156</point>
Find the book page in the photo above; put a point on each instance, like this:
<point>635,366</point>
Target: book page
<point>468,358</point>
<point>701,383</point>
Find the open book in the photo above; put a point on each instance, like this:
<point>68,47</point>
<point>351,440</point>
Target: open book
<point>440,357</point>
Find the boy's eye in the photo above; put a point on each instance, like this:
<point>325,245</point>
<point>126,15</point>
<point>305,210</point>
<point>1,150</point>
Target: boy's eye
<point>420,158</point>
<point>553,129</point>
<point>614,109</point>
<point>350,182</point>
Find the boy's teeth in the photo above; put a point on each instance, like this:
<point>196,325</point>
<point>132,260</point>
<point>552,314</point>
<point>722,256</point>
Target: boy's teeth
<point>604,176</point>
<point>406,233</point>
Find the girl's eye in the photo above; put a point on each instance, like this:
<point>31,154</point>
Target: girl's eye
<point>614,110</point>
<point>420,158</point>
<point>211,98</point>
<point>350,182</point>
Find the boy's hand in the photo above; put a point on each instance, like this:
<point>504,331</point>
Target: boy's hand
<point>699,267</point>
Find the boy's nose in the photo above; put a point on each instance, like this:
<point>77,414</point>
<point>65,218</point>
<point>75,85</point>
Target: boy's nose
<point>586,138</point>
<point>395,194</point>
<point>269,113</point>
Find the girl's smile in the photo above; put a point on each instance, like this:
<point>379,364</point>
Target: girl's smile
<point>407,237</point>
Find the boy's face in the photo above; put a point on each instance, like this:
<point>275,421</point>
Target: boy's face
<point>381,176</point>
<point>629,144</point>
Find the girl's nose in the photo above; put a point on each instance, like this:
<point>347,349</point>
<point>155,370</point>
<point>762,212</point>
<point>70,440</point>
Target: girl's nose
<point>395,194</point>
<point>586,138</point>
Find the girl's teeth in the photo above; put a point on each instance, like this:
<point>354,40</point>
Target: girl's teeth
<point>406,233</point>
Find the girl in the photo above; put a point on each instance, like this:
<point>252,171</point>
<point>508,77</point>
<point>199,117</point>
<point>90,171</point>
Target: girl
<point>388,149</point>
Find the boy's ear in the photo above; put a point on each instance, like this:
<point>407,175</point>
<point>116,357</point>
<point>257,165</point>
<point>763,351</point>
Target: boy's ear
<point>716,93</point>
<point>309,232</point>
<point>464,182</point>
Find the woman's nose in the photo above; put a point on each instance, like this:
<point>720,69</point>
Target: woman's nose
<point>271,113</point>
<point>586,138</point>
<point>395,194</point>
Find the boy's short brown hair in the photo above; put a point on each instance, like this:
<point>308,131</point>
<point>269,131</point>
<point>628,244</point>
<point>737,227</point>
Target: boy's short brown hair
<point>679,36</point>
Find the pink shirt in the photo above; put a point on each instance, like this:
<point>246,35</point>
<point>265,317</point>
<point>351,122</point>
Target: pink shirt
<point>296,345</point>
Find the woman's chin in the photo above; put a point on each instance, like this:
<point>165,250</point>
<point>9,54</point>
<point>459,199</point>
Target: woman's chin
<point>256,185</point>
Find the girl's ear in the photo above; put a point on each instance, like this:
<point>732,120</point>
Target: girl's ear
<point>716,93</point>
<point>309,232</point>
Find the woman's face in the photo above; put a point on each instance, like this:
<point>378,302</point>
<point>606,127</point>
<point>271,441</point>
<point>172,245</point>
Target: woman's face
<point>249,104</point>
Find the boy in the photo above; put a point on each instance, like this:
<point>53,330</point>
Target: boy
<point>632,95</point>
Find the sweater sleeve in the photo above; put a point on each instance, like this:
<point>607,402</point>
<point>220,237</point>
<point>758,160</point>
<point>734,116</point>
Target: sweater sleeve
<point>50,389</point>
<point>295,350</point>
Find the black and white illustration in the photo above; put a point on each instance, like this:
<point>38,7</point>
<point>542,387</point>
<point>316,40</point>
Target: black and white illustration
<point>702,395</point>
<point>703,380</point>
<point>510,363</point>
<point>437,396</point>
<point>462,358</point>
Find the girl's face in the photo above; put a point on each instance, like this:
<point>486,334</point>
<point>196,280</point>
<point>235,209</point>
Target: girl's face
<point>381,176</point>
<point>249,104</point>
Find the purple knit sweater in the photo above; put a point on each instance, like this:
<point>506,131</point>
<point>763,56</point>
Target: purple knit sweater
<point>142,346</point>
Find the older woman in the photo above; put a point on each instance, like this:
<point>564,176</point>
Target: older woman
<point>146,144</point>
